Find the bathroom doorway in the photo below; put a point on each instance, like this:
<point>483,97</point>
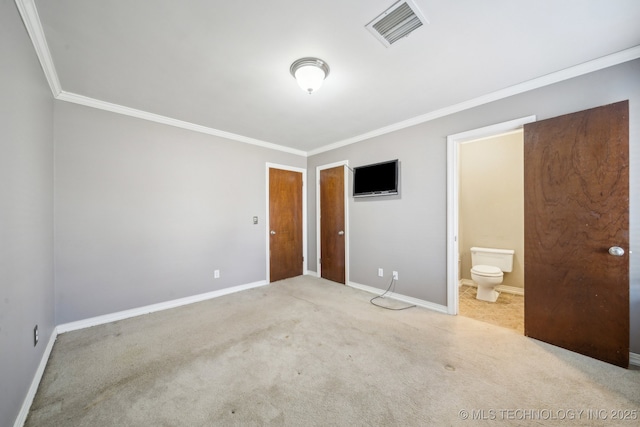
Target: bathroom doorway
<point>486,199</point>
<point>491,215</point>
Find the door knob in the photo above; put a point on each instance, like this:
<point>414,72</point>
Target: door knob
<point>340,233</point>
<point>273,232</point>
<point>616,251</point>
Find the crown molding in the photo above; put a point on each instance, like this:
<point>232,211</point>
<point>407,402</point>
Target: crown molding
<point>145,115</point>
<point>32,22</point>
<point>566,74</point>
<point>31,19</point>
<point>29,13</point>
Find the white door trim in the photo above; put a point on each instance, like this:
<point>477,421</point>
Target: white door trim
<point>453,177</point>
<point>304,215</point>
<point>345,164</point>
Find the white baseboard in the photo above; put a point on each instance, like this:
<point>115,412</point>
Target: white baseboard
<point>311,273</point>
<point>420,303</point>
<point>634,359</point>
<point>121,315</point>
<point>500,288</point>
<point>511,290</point>
<point>35,383</point>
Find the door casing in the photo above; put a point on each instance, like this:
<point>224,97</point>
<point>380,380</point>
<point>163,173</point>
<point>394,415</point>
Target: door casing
<point>345,164</point>
<point>453,185</point>
<point>267,218</point>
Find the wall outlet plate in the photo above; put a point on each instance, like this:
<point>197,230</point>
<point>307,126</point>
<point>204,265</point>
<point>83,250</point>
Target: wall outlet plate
<point>380,272</point>
<point>395,275</point>
<point>216,274</point>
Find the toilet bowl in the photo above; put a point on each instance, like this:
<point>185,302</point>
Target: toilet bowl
<point>487,277</point>
<point>488,268</point>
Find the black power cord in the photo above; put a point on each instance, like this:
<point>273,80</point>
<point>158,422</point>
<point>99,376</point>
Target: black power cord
<point>382,296</point>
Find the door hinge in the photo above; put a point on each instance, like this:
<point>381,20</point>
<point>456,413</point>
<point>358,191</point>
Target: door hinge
<point>319,260</point>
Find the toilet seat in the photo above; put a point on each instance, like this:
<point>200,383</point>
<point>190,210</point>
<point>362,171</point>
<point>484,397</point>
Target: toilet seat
<point>487,271</point>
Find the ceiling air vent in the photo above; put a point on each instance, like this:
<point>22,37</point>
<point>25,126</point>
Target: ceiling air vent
<point>397,22</point>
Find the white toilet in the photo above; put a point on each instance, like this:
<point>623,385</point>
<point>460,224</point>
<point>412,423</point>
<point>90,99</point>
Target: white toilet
<point>488,268</point>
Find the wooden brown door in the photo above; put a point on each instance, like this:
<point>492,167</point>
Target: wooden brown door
<point>576,209</point>
<point>332,232</point>
<point>285,224</point>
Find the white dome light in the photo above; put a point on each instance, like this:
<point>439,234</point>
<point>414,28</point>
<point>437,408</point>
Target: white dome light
<point>310,73</point>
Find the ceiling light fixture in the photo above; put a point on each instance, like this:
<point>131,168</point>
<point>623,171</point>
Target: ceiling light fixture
<point>310,73</point>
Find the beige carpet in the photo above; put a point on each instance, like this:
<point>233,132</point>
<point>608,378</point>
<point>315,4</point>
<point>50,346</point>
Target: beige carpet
<point>306,352</point>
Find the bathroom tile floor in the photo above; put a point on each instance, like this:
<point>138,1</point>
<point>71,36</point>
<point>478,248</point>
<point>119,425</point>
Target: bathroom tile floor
<point>507,311</point>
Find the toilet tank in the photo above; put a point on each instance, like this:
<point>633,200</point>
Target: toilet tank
<point>501,258</point>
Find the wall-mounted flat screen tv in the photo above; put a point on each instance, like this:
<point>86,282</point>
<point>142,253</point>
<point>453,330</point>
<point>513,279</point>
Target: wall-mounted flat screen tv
<point>379,179</point>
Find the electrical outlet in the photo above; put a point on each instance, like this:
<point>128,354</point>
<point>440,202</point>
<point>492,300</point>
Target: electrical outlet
<point>380,272</point>
<point>216,274</point>
<point>395,275</point>
<point>35,336</point>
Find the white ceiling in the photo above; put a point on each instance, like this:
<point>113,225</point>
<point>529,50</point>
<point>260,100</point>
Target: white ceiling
<point>224,65</point>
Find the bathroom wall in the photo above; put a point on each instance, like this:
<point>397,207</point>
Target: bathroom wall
<point>492,200</point>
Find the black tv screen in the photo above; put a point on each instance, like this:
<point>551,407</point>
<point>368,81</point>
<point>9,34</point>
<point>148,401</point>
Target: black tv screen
<point>379,179</point>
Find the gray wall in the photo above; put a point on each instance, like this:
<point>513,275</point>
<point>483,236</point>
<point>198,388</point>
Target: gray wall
<point>405,233</point>
<point>26,212</point>
<point>408,233</point>
<point>144,213</point>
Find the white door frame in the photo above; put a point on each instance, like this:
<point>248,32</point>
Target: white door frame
<point>453,184</point>
<point>304,215</point>
<point>345,164</point>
